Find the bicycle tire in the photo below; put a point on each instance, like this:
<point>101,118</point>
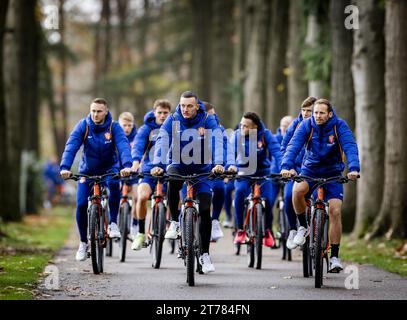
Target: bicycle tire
<point>159,228</point>
<point>319,263</point>
<point>189,234</point>
<point>124,216</point>
<point>250,245</point>
<point>94,230</point>
<point>259,232</point>
<point>305,259</point>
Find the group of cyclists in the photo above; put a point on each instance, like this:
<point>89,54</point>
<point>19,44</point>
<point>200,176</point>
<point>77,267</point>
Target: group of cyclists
<point>191,140</point>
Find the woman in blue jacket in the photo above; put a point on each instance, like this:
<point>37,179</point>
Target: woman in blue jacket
<point>101,138</point>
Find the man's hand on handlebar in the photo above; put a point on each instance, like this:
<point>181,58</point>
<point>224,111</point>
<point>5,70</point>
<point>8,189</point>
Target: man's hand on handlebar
<point>125,172</point>
<point>353,175</point>
<point>232,169</point>
<point>288,173</point>
<point>65,174</point>
<point>218,169</point>
<point>157,171</point>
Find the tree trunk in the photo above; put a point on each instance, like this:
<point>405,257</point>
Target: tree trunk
<point>243,19</point>
<point>5,198</point>
<point>202,15</point>
<point>222,66</point>
<point>394,205</point>
<point>277,80</point>
<point>315,87</point>
<point>64,103</point>
<point>342,94</point>
<point>368,71</point>
<point>297,85</point>
<point>124,47</point>
<point>255,87</point>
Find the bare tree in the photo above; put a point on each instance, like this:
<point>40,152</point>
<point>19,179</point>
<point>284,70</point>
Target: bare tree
<point>4,163</point>
<point>255,87</point>
<point>342,93</point>
<point>368,70</point>
<point>277,80</point>
<point>297,85</point>
<point>202,15</point>
<point>393,211</point>
<point>222,64</point>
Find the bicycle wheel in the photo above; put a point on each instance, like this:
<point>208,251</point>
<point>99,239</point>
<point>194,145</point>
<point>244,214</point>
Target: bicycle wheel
<point>259,233</point>
<point>188,226</point>
<point>159,226</point>
<point>305,259</point>
<point>124,216</point>
<point>318,246</point>
<point>96,229</point>
<point>250,244</point>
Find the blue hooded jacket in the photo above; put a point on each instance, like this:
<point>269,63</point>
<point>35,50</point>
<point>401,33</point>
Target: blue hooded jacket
<point>144,142</point>
<point>183,142</point>
<point>287,138</point>
<point>99,151</point>
<point>267,148</point>
<point>279,137</point>
<point>323,154</point>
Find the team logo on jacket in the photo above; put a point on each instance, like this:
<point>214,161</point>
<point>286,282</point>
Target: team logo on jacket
<point>108,136</point>
<point>331,139</point>
<point>201,131</point>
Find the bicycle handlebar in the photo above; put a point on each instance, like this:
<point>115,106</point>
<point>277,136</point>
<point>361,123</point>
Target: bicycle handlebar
<point>96,178</point>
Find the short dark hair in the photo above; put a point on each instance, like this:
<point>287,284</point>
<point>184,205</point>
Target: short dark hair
<point>208,106</point>
<point>100,101</point>
<point>325,102</point>
<point>308,102</point>
<point>254,117</point>
<point>163,103</point>
<point>189,94</point>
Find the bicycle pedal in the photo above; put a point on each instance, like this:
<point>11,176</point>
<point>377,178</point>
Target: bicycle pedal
<point>145,244</point>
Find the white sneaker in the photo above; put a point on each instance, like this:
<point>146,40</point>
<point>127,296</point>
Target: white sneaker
<point>299,238</point>
<point>114,231</point>
<point>133,231</point>
<point>173,230</point>
<point>138,241</point>
<point>216,232</point>
<point>290,241</point>
<point>206,263</point>
<point>227,224</point>
<point>82,252</point>
<point>335,265</point>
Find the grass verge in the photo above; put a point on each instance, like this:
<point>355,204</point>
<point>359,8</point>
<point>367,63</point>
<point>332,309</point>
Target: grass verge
<point>389,255</point>
<point>27,248</point>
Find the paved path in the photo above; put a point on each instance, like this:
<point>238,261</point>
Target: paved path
<point>136,279</point>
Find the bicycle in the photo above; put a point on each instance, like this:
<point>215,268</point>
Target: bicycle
<point>189,242</point>
<point>97,218</point>
<point>158,222</point>
<point>283,226</point>
<point>319,245</point>
<point>125,217</point>
<point>255,219</point>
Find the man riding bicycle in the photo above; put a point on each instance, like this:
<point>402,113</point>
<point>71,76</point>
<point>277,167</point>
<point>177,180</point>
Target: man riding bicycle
<point>327,140</point>
<point>184,145</point>
<point>142,150</point>
<point>305,113</point>
<point>101,138</point>
<point>126,121</point>
<point>267,148</point>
